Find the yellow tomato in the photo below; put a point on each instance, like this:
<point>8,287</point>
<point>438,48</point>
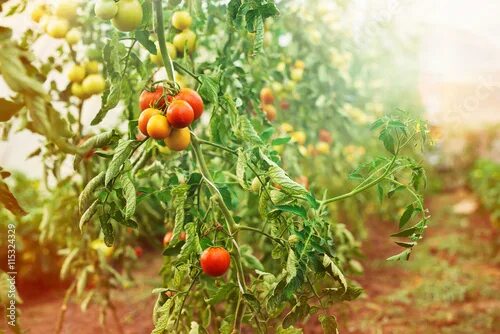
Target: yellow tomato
<point>73,36</point>
<point>94,84</point>
<point>186,39</point>
<point>57,27</point>
<point>92,67</point>
<point>299,64</point>
<point>181,20</point>
<point>179,139</point>
<point>286,127</point>
<point>77,90</point>
<point>296,74</point>
<point>322,148</point>
<point>66,9</point>
<point>299,137</point>
<point>76,73</point>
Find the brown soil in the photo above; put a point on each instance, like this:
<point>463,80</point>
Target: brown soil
<point>381,310</point>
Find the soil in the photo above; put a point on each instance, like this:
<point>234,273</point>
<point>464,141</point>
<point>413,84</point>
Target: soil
<point>383,308</point>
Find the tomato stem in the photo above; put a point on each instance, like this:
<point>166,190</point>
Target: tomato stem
<point>160,32</point>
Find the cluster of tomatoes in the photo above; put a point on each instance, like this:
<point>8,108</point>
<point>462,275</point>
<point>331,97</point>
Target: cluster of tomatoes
<point>166,117</point>
<point>214,261</point>
<point>184,40</point>
<point>125,15</point>
<point>86,80</point>
<point>58,21</point>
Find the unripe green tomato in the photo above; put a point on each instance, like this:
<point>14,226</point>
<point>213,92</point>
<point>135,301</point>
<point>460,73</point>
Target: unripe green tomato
<point>57,27</point>
<point>66,9</point>
<point>181,20</point>
<point>76,73</point>
<point>186,38</point>
<point>293,239</point>
<point>73,36</point>
<point>157,59</point>
<point>256,185</point>
<point>129,15</point>
<point>105,9</point>
<point>93,84</point>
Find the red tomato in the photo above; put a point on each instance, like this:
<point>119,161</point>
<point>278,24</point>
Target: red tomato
<point>193,98</point>
<point>153,99</point>
<point>215,261</point>
<point>266,96</point>
<point>284,105</point>
<point>325,136</point>
<point>180,114</point>
<point>138,251</point>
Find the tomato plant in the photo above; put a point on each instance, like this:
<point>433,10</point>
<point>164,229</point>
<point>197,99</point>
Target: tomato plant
<point>201,150</point>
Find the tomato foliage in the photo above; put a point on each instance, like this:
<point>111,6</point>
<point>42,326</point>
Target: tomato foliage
<point>231,181</point>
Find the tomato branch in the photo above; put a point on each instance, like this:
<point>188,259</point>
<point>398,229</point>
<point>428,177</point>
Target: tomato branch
<point>160,32</point>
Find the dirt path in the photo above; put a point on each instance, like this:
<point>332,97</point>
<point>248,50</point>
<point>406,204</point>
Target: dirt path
<point>451,285</point>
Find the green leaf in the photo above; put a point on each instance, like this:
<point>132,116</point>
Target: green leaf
<point>336,295</point>
<point>269,10</point>
<point>122,153</point>
<point>88,214</point>
<point>109,100</point>
<point>248,259</point>
<point>387,140</point>
<point>280,141</point>
<point>406,232</point>
<point>259,35</point>
<point>405,217</point>
<point>98,141</point>
<point>223,293</point>
<point>142,37</point>
<point>180,194</point>
<point>8,109</point>
<point>297,314</point>
<point>291,266</point>
<point>9,201</point>
<point>246,132</point>
<point>85,197</point>
<point>329,324</point>
<point>252,301</point>
<point>107,230</point>
<point>128,190</point>
<point>209,88</point>
<point>241,165</point>
<point>295,209</point>
<point>334,271</point>
<point>278,176</point>
<point>403,256</point>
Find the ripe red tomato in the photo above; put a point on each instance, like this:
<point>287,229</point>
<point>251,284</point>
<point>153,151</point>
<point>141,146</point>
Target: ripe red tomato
<point>270,112</point>
<point>144,119</point>
<point>153,99</point>
<point>138,251</point>
<point>193,98</point>
<point>180,114</point>
<point>215,261</point>
<point>284,104</point>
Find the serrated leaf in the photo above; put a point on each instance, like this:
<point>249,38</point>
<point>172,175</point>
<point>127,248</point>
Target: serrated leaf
<point>295,209</point>
<point>86,195</point>
<point>297,314</point>
<point>88,214</point>
<point>122,153</point>
<point>209,88</point>
<point>241,165</point>
<point>128,190</point>
<point>291,266</point>
<point>406,232</point>
<point>279,176</point>
<point>246,132</point>
<point>98,141</point>
<point>259,34</point>
<point>334,271</point>
<point>107,230</point>
<point>109,100</point>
